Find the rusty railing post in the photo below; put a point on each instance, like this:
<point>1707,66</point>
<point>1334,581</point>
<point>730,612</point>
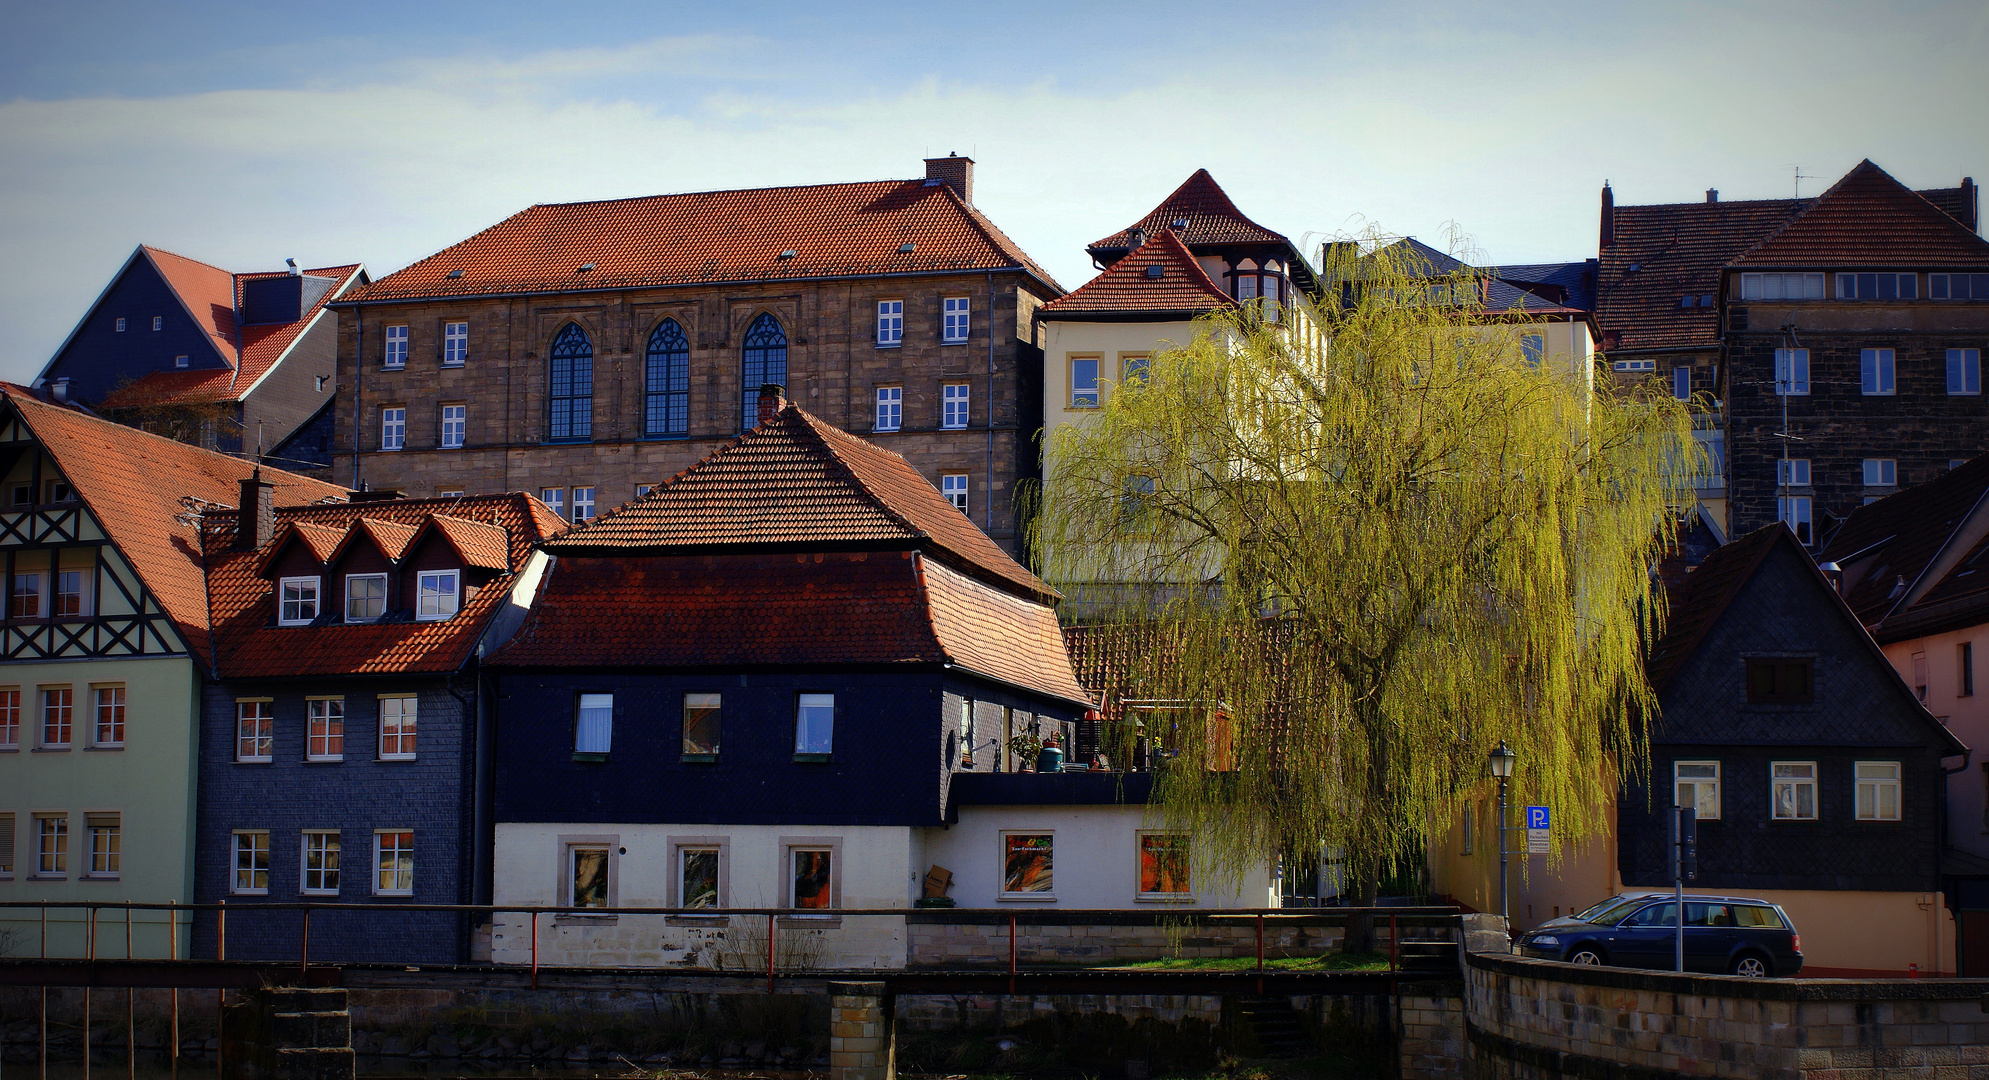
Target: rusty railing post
<point>1260,955</point>
<point>772,929</point>
<point>90,954</point>
<point>535,949</point>
<point>1393,937</point>
<point>1011,954</point>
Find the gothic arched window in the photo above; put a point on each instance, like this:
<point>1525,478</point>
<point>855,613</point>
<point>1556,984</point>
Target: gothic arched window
<point>763,356</point>
<point>572,397</point>
<point>666,408</point>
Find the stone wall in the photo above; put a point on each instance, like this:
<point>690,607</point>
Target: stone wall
<point>977,939</point>
<point>1430,1033</point>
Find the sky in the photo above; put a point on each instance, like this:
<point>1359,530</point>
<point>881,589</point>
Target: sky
<point>379,133</point>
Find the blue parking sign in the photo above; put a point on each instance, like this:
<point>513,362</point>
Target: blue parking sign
<point>1536,817</point>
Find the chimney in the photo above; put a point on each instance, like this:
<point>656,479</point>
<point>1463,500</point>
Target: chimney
<point>256,519</point>
<point>1608,216</point>
<point>1712,194</point>
<point>1135,238</point>
<point>1969,194</point>
<point>772,400</point>
<point>292,264</point>
<point>59,391</point>
<point>955,172</point>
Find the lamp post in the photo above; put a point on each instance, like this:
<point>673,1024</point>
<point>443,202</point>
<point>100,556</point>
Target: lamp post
<point>1502,761</point>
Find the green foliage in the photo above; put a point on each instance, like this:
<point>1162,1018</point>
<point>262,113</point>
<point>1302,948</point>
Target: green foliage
<point>1358,548</point>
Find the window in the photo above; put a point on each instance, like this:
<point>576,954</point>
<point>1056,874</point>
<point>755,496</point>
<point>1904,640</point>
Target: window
<point>1792,472</point>
<point>1164,866</point>
<point>396,355</point>
<point>1633,365</point>
<point>181,361</point>
<point>255,730</point>
<point>1792,372</point>
<point>1877,286</point>
<point>1781,287</point>
<point>953,322</point>
<point>1681,383</point>
<point>1778,681</point>
<point>1794,790</point>
<point>59,491</point>
<point>455,343</point>
<point>1875,371</point>
<point>110,716</point>
<point>1964,371</point>
<point>1697,785</point>
<point>1084,382</point>
<point>1964,669</point>
<point>890,322</point>
<point>449,493</point>
<point>583,504</point>
<point>587,881</point>
<point>251,861</point>
<point>1881,472</point>
<point>966,733</point>
<point>10,717</point>
<point>393,862</point>
<point>393,427</point>
<point>438,594</point>
<point>6,844</point>
<point>106,842</point>
<point>1958,286</point>
<point>1026,865</point>
<point>399,716</point>
<point>815,725</point>
<point>555,500</point>
<point>27,594</point>
<point>455,419</point>
<point>697,877</point>
<point>1794,511</point>
<point>701,716</point>
<point>1133,368</point>
<point>1878,790</point>
<point>1136,504</point>
<point>643,489</point>
<point>814,881</point>
<point>666,408</point>
<point>325,735</point>
<point>572,392</point>
<point>365,597</point>
<point>58,716</point>
<point>1469,830</point>
<point>954,487</point>
<point>1532,349</point>
<point>890,407</point>
<point>594,724</point>
<point>321,863</point>
<point>51,845</point>
<point>762,360</point>
<point>300,601</point>
<point>120,326</point>
<point>69,598</point>
<point>158,322</point>
<point>953,406</point>
<point>1920,675</point>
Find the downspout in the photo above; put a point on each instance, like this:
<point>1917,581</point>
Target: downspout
<point>987,515</point>
<point>358,375</point>
<point>468,863</point>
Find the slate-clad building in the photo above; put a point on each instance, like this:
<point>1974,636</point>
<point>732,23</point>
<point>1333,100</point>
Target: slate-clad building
<point>1818,776</point>
<point>344,731</point>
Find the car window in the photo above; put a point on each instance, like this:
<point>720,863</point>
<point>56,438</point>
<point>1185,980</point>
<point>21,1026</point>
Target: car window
<point>1749,915</point>
<point>1709,915</point>
<point>1607,912</point>
<point>1654,915</point>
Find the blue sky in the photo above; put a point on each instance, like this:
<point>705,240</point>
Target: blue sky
<point>241,135</point>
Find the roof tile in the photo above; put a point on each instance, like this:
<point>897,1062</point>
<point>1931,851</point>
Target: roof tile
<point>1130,285</point>
<point>1869,219</point>
<point>1201,212</point>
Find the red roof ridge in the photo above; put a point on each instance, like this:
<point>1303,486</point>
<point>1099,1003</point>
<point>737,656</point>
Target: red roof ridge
<point>1200,194</point>
<point>150,249</point>
<point>1865,172</point>
<point>461,532</point>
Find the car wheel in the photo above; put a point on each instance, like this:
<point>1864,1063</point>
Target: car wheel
<point>1750,966</point>
<point>1585,956</point>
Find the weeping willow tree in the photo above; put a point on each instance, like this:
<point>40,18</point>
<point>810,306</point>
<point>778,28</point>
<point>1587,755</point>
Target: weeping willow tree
<point>1351,551</point>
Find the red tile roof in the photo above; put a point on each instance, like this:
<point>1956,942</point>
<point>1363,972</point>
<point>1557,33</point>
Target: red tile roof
<point>480,543</point>
<point>1665,252</point>
<point>1697,603</point>
<point>771,609</point>
<point>798,481</point>
<point>389,538</point>
<point>248,646</point>
<point>133,483</point>
<point>1206,216</point>
<point>1869,219</point>
<point>323,542</point>
<point>833,230</point>
<point>1129,285</point>
<point>207,291</point>
<point>1887,546</point>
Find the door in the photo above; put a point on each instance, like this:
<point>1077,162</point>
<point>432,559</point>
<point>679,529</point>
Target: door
<point>1710,937</point>
<point>1645,939</point>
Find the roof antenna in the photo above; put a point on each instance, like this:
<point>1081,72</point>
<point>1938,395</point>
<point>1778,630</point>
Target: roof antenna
<point>1800,176</point>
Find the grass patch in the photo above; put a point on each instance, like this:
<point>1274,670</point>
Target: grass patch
<point>1334,961</point>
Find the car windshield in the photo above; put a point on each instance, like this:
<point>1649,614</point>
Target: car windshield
<point>1611,911</point>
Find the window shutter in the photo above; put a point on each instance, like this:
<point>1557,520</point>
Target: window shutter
<point>7,842</point>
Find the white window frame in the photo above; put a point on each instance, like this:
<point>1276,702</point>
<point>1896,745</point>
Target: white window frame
<point>955,398</point>
<point>120,325</point>
<point>284,602</point>
<point>1792,372</point>
<point>571,848</point>
<point>956,320</point>
<point>1798,512</point>
<point>1776,286</point>
<point>404,710</point>
<point>262,713</point>
<point>1881,472</point>
<point>158,322</point>
<point>1878,372</point>
<point>1049,894</point>
<point>382,598</point>
<point>717,847</point>
<point>1911,281</point>
<point>182,360</point>
<point>807,701</point>
<point>1186,896</point>
<point>890,414</point>
<point>1681,383</point>
<point>1795,782</point>
<point>953,486</point>
<point>51,862</point>
<point>455,425</point>
<point>1699,786</point>
<point>1633,365</point>
<point>455,344</point>
<point>1533,350</point>
<point>117,704</point>
<point>10,717</point>
<point>236,867</point>
<point>380,851</point>
<point>555,500</point>
<point>583,504</point>
<point>394,355</point>
<point>1876,786</point>
<point>1080,398</point>
<point>304,870</point>
<point>430,603</point>
<point>1792,472</point>
<point>103,862</point>
<point>323,712</point>
<point>1964,372</point>
<point>593,723</point>
<point>834,849</point>
<point>65,726</point>
<point>393,427</point>
<point>890,323</point>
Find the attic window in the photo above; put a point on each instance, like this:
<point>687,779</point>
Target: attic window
<point>584,267</point>
<point>180,361</point>
<point>907,249</point>
<point>1180,223</point>
<point>789,253</point>
<point>1779,681</point>
<point>454,274</point>
<point>1156,272</point>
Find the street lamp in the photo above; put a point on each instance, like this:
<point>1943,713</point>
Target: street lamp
<point>1502,761</point>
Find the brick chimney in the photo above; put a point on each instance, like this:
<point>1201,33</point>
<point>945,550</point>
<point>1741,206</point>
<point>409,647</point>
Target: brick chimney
<point>256,520</point>
<point>772,400</point>
<point>1608,216</point>
<point>1712,194</point>
<point>955,172</point>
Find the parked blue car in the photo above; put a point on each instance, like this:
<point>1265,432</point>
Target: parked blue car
<point>1726,935</point>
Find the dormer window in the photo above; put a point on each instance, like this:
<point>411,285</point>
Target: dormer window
<point>365,597</point>
<point>299,601</point>
<point>440,594</point>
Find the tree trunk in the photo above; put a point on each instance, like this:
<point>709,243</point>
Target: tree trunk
<point>1359,937</point>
